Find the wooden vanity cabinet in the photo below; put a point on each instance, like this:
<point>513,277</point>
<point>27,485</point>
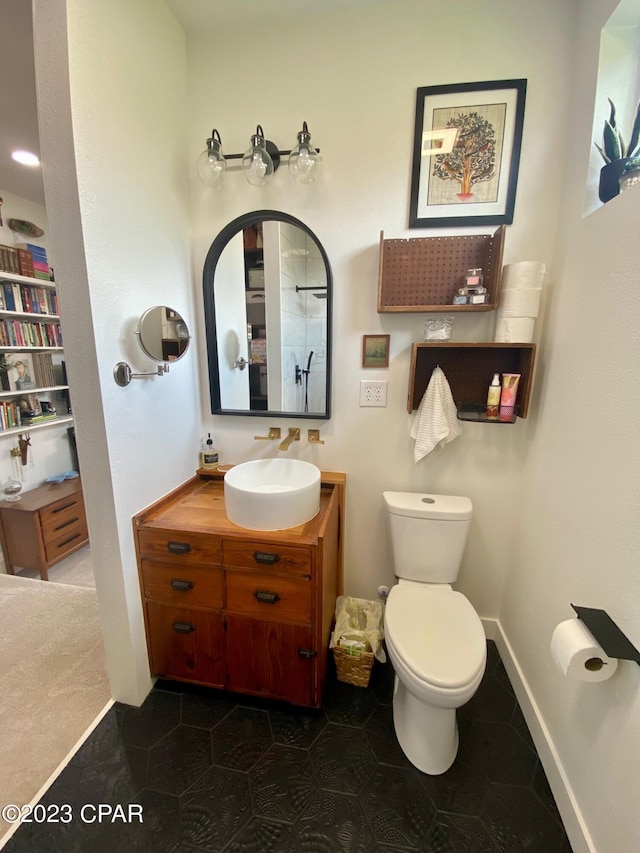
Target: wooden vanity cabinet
<point>250,611</point>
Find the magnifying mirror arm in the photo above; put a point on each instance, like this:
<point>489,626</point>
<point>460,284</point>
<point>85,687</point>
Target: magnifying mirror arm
<point>123,374</point>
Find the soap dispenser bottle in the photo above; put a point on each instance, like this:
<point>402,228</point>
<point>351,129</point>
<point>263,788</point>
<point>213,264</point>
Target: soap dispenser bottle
<point>493,398</point>
<point>208,454</point>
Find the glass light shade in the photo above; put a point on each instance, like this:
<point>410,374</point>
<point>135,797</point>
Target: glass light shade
<point>257,163</point>
<point>304,160</point>
<point>211,164</point>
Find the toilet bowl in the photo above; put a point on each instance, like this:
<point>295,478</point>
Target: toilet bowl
<point>437,647</point>
<point>434,637</point>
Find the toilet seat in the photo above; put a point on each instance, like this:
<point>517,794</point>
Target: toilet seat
<point>437,634</point>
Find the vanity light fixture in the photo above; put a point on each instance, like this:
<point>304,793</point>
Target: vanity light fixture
<point>261,160</point>
<point>211,163</point>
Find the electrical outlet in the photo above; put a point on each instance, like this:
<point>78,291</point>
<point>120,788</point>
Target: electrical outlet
<point>373,393</point>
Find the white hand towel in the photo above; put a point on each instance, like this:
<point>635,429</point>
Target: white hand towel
<point>436,423</point>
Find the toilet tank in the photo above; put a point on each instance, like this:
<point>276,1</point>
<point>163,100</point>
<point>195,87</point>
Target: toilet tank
<point>428,534</point>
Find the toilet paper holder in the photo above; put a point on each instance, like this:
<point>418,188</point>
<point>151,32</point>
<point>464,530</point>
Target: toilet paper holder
<point>607,634</point>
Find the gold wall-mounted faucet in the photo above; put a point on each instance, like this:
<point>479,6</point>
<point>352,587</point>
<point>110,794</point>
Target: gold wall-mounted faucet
<point>294,435</point>
<point>274,434</point>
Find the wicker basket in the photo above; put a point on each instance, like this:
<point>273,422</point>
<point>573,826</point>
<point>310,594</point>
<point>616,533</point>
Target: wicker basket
<point>353,669</point>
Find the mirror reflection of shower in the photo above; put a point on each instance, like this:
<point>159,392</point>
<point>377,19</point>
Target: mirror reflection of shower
<point>306,382</point>
<point>318,292</point>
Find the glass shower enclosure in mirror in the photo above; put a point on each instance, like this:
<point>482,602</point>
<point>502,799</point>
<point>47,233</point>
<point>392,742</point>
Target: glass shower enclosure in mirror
<point>268,302</point>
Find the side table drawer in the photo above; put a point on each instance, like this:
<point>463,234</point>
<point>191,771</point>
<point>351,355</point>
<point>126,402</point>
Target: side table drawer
<point>61,516</point>
<point>73,536</point>
<point>185,586</point>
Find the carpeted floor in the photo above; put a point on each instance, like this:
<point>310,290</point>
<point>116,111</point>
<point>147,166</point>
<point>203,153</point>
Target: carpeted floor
<point>52,669</point>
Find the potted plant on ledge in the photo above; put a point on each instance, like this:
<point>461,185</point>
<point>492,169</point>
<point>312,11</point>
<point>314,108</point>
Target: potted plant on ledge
<point>615,153</point>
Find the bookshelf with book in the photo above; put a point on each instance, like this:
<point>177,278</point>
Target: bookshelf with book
<point>33,385</point>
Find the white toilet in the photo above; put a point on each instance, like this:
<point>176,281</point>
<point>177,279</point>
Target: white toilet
<point>433,635</point>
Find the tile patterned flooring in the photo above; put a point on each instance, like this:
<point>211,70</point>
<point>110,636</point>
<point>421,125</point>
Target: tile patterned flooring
<point>216,772</point>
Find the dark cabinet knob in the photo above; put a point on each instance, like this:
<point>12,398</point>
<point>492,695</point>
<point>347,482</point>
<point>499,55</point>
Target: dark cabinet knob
<point>265,597</point>
<point>266,558</point>
<point>184,627</point>
<point>178,547</point>
<point>180,585</point>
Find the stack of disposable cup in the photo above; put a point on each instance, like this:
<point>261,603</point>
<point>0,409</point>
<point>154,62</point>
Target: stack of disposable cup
<point>519,301</point>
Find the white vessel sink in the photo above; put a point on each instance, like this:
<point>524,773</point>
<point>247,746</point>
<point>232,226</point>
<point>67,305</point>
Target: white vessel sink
<point>272,494</point>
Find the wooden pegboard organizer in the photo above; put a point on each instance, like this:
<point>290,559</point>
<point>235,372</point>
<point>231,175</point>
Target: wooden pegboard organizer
<point>424,273</point>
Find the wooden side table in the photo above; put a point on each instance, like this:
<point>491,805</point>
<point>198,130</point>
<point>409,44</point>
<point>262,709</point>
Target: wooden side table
<point>45,526</point>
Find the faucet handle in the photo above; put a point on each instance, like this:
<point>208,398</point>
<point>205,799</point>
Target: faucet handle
<point>313,436</point>
<point>274,433</point>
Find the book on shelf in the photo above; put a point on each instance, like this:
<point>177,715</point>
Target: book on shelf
<point>27,420</point>
<point>9,414</point>
<point>41,267</point>
<point>25,262</point>
<point>43,369</point>
<point>21,333</point>
<point>4,374</point>
<point>9,261</point>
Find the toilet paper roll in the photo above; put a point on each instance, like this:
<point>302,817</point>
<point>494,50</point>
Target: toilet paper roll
<point>523,275</point>
<point>520,303</point>
<point>514,330</point>
<point>577,655</point>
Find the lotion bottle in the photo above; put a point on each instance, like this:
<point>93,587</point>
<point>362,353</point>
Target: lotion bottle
<point>493,398</point>
<point>208,454</point>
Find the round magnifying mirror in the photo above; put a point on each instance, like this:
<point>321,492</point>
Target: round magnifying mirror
<point>163,334</point>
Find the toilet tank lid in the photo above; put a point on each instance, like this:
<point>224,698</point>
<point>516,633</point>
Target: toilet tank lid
<point>421,505</point>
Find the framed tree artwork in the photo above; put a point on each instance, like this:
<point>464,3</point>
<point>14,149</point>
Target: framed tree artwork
<point>466,153</point>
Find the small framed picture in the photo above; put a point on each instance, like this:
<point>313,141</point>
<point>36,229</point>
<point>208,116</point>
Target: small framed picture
<point>375,350</point>
<point>20,372</point>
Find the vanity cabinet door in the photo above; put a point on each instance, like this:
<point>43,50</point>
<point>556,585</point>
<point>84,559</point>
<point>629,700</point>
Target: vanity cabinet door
<point>186,644</point>
<point>270,659</point>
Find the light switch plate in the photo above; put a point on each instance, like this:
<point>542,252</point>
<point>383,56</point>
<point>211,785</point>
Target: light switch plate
<point>373,392</point>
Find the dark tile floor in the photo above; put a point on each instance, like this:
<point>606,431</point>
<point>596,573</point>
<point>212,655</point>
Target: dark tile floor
<point>215,772</point>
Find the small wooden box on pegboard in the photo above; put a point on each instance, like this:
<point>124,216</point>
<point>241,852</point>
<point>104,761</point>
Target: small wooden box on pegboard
<point>424,273</point>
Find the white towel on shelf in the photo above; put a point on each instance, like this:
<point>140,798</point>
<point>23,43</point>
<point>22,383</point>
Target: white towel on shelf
<point>436,423</point>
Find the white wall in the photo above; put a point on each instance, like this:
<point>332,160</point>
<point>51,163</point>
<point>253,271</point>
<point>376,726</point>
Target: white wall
<point>119,250</point>
<point>353,78</point>
<point>577,535</point>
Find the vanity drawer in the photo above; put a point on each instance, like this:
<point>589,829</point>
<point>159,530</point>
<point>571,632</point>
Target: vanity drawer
<point>271,597</point>
<point>72,537</point>
<point>186,644</point>
<point>61,515</point>
<point>263,556</point>
<point>188,586</point>
<point>179,547</point>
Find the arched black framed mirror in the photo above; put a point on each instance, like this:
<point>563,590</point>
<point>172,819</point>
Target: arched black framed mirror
<point>268,311</point>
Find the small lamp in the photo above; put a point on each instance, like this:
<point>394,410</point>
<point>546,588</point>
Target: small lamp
<point>304,160</point>
<point>257,163</point>
<point>211,164</point>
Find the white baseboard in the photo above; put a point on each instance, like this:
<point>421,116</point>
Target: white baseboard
<point>570,813</point>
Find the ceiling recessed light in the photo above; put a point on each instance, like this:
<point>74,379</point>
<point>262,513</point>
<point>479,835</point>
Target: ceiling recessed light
<point>26,158</point>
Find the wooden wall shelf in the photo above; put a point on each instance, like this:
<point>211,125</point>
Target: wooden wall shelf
<point>424,273</point>
<point>469,368</point>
